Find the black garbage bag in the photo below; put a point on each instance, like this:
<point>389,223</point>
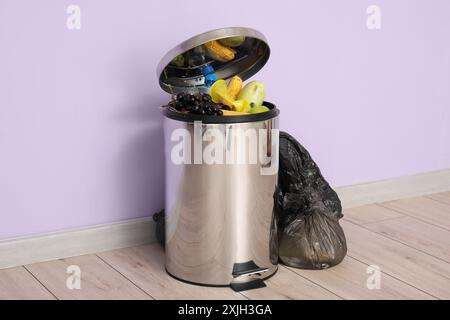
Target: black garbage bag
<point>160,220</point>
<point>307,210</point>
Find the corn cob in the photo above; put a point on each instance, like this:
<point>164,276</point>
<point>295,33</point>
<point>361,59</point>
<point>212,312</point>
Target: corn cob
<point>219,52</point>
<point>234,87</point>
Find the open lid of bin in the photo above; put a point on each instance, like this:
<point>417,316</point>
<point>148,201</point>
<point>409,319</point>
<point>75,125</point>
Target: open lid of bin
<point>196,63</point>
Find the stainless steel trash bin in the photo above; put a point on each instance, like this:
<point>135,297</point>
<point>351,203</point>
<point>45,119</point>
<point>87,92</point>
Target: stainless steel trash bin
<point>220,228</point>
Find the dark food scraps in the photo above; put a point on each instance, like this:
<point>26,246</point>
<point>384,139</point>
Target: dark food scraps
<point>200,104</point>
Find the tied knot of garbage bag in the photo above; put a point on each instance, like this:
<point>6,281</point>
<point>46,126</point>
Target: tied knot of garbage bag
<point>307,211</point>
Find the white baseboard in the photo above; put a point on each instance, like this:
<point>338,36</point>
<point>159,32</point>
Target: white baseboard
<point>396,188</point>
<point>22,251</point>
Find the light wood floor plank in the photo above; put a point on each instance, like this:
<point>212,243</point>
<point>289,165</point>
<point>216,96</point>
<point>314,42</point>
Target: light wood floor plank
<point>349,281</point>
<point>398,260</point>
<point>98,280</point>
<point>424,209</point>
<point>442,197</point>
<point>287,285</point>
<point>417,234</point>
<point>19,284</point>
<point>370,213</point>
<point>144,266</point>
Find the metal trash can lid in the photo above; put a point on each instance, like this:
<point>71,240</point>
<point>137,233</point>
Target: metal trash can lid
<point>189,67</point>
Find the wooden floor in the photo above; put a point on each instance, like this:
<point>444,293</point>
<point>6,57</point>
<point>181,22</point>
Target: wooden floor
<point>409,240</point>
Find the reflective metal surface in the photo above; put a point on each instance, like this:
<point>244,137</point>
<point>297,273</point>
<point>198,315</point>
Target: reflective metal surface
<point>219,216</point>
<point>187,67</point>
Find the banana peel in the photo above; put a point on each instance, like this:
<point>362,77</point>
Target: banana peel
<point>219,93</point>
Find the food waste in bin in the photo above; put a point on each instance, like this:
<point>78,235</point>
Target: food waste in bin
<point>223,99</point>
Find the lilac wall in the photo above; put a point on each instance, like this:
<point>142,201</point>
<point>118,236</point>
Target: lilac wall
<point>80,129</point>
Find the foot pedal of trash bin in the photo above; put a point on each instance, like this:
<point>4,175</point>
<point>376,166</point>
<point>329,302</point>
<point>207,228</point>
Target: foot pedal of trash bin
<point>243,286</point>
<point>247,268</point>
<point>247,276</point>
